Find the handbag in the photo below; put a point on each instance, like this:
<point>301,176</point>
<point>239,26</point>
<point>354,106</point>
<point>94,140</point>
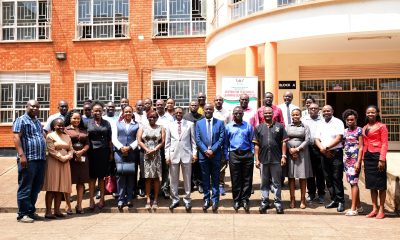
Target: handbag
<point>110,183</point>
<point>125,168</point>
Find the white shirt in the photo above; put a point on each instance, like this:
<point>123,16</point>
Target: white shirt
<point>111,120</point>
<point>327,132</point>
<point>141,119</point>
<point>209,122</point>
<point>223,115</point>
<point>164,120</point>
<point>284,107</point>
<point>47,128</point>
<point>312,125</point>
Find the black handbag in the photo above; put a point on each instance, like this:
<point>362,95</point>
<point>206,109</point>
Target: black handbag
<point>125,168</point>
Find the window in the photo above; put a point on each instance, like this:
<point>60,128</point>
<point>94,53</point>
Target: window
<point>181,85</point>
<point>16,89</point>
<point>102,19</point>
<point>24,20</point>
<point>179,17</point>
<point>103,86</point>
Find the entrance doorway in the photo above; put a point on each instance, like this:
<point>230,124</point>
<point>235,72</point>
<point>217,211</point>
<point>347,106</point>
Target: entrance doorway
<point>359,101</point>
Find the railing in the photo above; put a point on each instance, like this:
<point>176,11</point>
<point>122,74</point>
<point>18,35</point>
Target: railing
<point>41,31</point>
<point>116,29</point>
<point>242,8</point>
<point>165,28</point>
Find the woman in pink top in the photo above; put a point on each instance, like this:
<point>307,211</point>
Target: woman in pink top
<point>375,135</point>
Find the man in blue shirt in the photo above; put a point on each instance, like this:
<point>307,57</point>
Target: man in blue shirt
<point>31,148</point>
<point>239,151</point>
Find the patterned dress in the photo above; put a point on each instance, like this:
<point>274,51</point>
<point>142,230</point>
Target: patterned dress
<point>152,163</point>
<point>350,153</point>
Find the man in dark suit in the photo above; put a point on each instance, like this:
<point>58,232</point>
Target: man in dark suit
<point>210,134</point>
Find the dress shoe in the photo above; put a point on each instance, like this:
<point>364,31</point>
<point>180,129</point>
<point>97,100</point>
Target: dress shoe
<point>215,206</point>
<point>236,205</point>
<point>166,194</point>
<point>141,192</point>
<point>188,206</point>
<point>174,205</point>
<point>380,215</point>
<point>340,207</point>
<point>200,189</point>
<point>98,194</point>
<point>120,205</point>
<point>115,195</point>
<point>263,207</point>
<point>310,198</point>
<point>206,204</point>
<point>246,205</point>
<point>221,190</point>
<point>279,209</point>
<point>332,204</point>
<point>321,199</point>
<point>130,205</point>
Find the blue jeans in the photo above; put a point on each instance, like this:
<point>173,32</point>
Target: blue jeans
<point>30,182</point>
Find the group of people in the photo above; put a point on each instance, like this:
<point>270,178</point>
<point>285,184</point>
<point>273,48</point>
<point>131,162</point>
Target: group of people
<point>281,141</point>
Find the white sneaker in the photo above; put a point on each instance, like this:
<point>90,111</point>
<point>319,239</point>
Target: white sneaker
<point>26,219</point>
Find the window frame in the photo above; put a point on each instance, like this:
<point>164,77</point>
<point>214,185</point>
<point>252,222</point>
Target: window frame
<point>192,24</point>
<point>47,26</point>
<point>26,80</point>
<point>80,27</point>
<point>104,80</point>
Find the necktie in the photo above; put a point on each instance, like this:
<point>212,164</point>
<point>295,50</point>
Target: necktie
<point>288,114</point>
<point>209,132</point>
<point>179,128</point>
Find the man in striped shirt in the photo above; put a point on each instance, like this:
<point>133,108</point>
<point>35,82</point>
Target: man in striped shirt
<point>31,148</point>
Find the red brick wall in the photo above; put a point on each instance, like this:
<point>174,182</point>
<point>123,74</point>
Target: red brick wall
<point>137,56</point>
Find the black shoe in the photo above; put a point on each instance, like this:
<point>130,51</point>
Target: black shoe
<point>200,189</point>
<point>166,194</point>
<point>174,205</point>
<point>310,198</point>
<point>252,191</point>
<point>120,205</point>
<point>236,205</point>
<point>279,209</point>
<point>130,205</point>
<point>263,207</point>
<point>188,206</point>
<point>246,205</point>
<point>340,207</point>
<point>98,194</point>
<point>141,193</point>
<point>332,204</point>
<point>206,204</point>
<point>215,207</point>
<point>115,195</point>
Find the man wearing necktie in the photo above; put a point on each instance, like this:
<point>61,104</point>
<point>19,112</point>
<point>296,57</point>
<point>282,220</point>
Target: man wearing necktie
<point>180,152</point>
<point>209,144</point>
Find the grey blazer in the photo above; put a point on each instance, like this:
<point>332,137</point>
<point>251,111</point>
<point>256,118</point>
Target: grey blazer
<point>183,147</point>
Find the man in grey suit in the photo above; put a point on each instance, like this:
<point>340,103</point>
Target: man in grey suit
<point>180,150</point>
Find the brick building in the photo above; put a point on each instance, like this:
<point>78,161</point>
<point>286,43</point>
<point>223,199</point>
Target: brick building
<point>107,49</point>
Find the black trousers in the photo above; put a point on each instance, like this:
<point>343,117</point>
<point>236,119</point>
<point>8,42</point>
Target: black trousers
<point>241,169</point>
<point>333,172</point>
<point>165,172</point>
<point>196,175</point>
<point>317,182</point>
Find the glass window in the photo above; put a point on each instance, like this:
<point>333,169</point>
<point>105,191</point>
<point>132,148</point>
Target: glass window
<point>17,89</point>
<point>364,84</point>
<point>102,86</point>
<point>179,17</point>
<point>389,84</point>
<point>102,19</point>
<point>183,86</point>
<point>338,85</point>
<point>24,20</point>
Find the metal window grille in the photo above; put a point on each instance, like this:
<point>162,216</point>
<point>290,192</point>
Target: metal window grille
<point>102,86</point>
<point>179,18</point>
<point>241,8</point>
<point>183,86</point>
<point>23,20</point>
<point>17,89</point>
<point>102,19</point>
